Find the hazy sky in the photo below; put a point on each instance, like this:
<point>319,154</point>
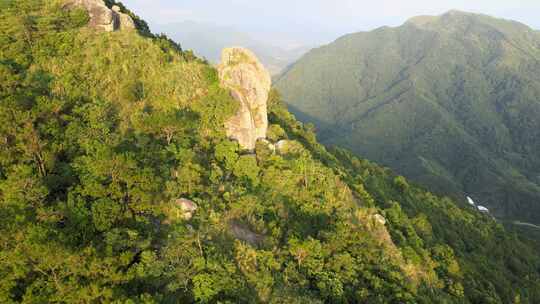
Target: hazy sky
<point>334,17</point>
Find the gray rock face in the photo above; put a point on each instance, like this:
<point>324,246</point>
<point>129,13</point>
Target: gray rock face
<point>124,21</point>
<point>246,235</point>
<point>249,82</point>
<point>103,18</point>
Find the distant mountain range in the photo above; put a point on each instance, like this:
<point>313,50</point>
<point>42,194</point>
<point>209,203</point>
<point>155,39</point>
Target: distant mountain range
<point>207,40</point>
<point>451,101</point>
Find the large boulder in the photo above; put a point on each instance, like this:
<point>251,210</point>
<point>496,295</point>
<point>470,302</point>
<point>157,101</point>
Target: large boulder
<point>242,233</point>
<point>285,146</point>
<point>187,208</point>
<point>124,20</point>
<point>102,17</point>
<point>379,219</point>
<point>249,82</point>
<point>178,210</point>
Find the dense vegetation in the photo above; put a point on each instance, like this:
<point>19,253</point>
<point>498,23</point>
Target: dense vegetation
<point>103,132</point>
<point>451,102</point>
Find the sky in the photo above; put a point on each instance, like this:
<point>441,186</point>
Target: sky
<point>321,18</point>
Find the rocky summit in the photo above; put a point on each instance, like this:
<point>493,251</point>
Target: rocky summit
<point>249,82</point>
<point>103,17</point>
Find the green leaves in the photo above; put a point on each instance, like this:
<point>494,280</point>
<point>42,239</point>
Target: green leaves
<point>105,213</point>
<point>246,169</point>
<point>103,134</point>
<point>23,188</point>
<point>205,288</point>
<point>226,152</point>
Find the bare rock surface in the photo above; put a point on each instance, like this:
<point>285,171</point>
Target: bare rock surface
<point>102,17</point>
<point>187,207</point>
<point>246,235</point>
<point>124,21</point>
<point>249,82</point>
<point>380,219</point>
<point>281,145</point>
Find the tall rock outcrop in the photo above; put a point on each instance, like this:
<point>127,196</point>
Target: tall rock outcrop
<point>124,21</point>
<point>102,17</point>
<point>249,82</point>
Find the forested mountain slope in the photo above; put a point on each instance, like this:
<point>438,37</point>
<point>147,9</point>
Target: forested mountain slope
<point>106,136</point>
<point>452,102</point>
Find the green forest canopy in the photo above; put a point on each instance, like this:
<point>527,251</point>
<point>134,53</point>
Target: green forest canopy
<point>103,132</point>
<point>451,102</point>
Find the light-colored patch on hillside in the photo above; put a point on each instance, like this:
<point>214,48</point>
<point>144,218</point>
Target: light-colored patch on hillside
<point>249,82</point>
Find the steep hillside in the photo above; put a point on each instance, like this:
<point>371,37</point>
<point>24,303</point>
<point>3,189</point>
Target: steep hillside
<point>118,184</point>
<point>452,102</point>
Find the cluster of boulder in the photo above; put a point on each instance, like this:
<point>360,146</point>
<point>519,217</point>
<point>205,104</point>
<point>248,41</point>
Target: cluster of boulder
<point>103,17</point>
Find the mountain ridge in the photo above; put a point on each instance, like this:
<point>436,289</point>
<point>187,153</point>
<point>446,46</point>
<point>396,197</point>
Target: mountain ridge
<point>457,69</point>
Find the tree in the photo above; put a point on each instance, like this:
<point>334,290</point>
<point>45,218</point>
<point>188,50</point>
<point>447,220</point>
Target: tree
<point>246,169</point>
